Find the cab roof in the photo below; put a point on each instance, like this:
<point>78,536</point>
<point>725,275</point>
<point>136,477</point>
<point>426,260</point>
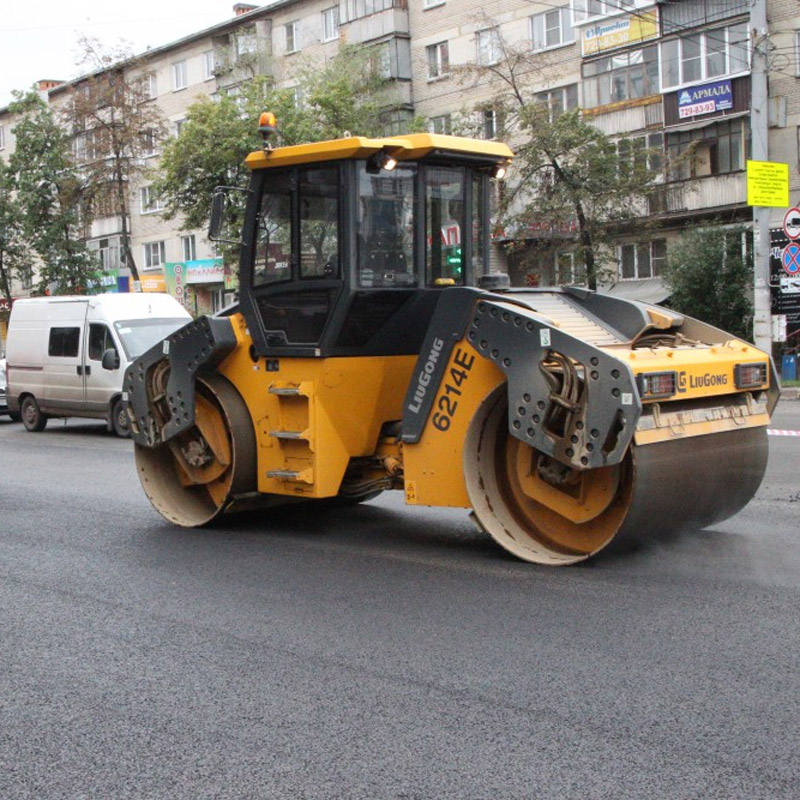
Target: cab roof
<point>413,147</point>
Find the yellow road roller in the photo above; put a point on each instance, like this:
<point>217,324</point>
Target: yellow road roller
<point>373,347</point>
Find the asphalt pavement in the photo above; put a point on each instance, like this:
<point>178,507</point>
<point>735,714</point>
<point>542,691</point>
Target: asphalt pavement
<point>382,651</point>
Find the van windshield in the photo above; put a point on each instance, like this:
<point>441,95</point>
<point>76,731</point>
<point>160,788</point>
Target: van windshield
<point>138,335</point>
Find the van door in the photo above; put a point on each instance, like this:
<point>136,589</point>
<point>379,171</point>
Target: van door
<point>101,384</point>
<point>63,368</point>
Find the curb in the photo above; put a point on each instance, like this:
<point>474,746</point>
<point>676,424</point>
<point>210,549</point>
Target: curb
<point>792,393</point>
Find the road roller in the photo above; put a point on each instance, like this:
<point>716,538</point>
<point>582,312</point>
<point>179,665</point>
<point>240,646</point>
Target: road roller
<point>374,347</point>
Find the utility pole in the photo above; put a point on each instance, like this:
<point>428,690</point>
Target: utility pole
<point>759,134</point>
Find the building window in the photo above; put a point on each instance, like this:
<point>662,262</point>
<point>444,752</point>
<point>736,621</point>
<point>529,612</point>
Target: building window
<point>246,42</point>
<point>290,34</point>
<point>149,143</point>
<point>641,152</point>
<point>330,24</point>
<point>356,9</point>
<point>438,60</point>
<point>150,201</point>
<point>552,29</point>
<point>2,137</point>
<point>154,254</point>
<point>568,273</point>
<point>717,149</point>
<point>702,56</point>
<point>642,260</point>
<point>151,85</point>
<point>490,49</point>
<point>432,3</point>
<point>179,76</point>
<point>489,123</point>
<point>584,9</point>
<point>189,248</point>
<point>564,98</point>
<point>440,124</point>
<point>797,53</point>
<point>179,123</point>
<point>106,252</point>
<point>296,96</point>
<point>208,65</point>
<point>625,76</point>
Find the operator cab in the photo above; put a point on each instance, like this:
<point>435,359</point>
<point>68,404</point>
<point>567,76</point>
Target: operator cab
<point>348,244</point>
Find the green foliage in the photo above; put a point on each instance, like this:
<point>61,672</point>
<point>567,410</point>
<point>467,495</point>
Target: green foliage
<point>567,176</point>
<point>15,257</point>
<point>343,95</point>
<point>115,127</point>
<point>49,190</point>
<point>710,273</point>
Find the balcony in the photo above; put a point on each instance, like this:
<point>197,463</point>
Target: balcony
<point>707,194</point>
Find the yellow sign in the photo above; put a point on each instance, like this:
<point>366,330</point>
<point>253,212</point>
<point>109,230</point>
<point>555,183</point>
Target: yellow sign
<point>619,32</point>
<point>154,283</point>
<point>767,184</point>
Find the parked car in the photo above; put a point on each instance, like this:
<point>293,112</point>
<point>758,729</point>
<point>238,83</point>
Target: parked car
<point>67,355</point>
<point>4,409</point>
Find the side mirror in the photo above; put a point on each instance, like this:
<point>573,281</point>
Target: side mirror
<point>110,359</point>
<point>218,203</point>
<point>223,213</point>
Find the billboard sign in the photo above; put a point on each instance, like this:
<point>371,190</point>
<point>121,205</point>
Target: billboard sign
<point>706,99</point>
<point>598,37</point>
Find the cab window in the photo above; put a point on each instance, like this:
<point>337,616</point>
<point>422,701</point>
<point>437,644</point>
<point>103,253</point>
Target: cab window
<point>444,225</point>
<point>386,227</point>
<point>273,252</point>
<point>99,341</point>
<point>319,223</point>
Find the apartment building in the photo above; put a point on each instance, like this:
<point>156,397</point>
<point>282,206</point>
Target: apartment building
<point>675,76</point>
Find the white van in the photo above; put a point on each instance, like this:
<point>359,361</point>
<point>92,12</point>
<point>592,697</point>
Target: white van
<point>66,356</point>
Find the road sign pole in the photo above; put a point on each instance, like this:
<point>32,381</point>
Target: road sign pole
<point>762,321</point>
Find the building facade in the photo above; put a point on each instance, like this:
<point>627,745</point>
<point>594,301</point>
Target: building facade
<point>673,77</point>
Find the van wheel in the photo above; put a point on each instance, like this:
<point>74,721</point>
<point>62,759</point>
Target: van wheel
<point>32,417</point>
<point>120,421</point>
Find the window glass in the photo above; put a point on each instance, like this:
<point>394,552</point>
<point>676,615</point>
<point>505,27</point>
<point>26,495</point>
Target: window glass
<point>64,342</point>
<point>385,241</point>
<point>319,223</point>
<point>478,226</point>
<point>444,223</point>
<point>273,251</point>
<point>99,341</point>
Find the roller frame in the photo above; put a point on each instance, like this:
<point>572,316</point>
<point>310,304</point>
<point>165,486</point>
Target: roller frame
<point>199,345</point>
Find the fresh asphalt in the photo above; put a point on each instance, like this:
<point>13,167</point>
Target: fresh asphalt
<point>382,651</point>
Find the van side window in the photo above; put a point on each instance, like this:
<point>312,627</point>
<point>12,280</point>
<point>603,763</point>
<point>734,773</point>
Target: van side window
<point>99,341</point>
<point>64,342</point>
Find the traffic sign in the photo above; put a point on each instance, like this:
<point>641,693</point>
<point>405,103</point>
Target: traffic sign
<point>790,258</point>
<point>791,223</point>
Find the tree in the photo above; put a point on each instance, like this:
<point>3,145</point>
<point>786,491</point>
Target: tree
<point>710,273</point>
<point>567,175</point>
<point>115,126</point>
<point>49,190</point>
<point>15,257</point>
<point>344,94</point>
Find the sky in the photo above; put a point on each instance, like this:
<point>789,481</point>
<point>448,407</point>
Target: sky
<point>40,40</point>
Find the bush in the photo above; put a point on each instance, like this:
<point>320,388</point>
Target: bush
<point>710,274</point>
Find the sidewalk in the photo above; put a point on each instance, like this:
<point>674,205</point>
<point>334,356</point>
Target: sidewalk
<point>790,393</point>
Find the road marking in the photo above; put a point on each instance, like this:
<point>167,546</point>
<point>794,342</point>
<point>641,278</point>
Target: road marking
<point>777,432</point>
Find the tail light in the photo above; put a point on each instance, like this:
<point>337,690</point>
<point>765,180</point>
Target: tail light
<point>749,376</point>
<point>656,384</point>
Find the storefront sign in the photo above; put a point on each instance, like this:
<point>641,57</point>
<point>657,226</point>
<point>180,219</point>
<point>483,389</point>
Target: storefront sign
<point>205,270</point>
<point>153,283</point>
<point>619,32</point>
<point>706,99</point>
